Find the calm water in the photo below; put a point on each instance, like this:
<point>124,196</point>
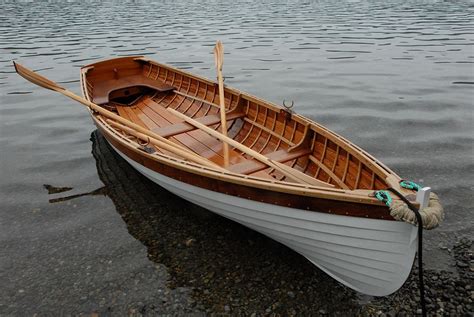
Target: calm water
<point>395,77</point>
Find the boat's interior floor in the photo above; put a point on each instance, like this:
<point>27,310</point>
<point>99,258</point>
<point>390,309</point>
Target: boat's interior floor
<point>150,111</point>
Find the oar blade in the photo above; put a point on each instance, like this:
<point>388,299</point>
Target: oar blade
<point>36,78</point>
<point>219,55</point>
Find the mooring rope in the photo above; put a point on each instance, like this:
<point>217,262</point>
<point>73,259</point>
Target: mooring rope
<point>420,248</point>
<point>406,211</point>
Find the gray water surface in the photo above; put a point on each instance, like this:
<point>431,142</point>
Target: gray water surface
<point>395,77</point>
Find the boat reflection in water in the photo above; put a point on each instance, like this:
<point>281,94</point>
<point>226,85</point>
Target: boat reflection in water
<point>228,266</point>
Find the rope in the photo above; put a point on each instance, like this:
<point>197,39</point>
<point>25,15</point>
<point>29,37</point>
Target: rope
<point>432,215</point>
<point>420,249</point>
<point>384,196</point>
<point>428,218</point>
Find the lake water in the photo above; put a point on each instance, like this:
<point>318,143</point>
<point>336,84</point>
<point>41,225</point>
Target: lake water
<point>395,77</point>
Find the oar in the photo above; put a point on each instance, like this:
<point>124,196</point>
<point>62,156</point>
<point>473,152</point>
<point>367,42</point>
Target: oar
<point>219,59</point>
<point>172,147</point>
<point>282,168</point>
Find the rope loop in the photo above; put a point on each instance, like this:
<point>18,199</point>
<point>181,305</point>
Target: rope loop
<point>384,196</point>
<point>410,185</point>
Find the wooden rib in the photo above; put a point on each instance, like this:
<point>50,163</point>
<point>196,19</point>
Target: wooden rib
<point>268,130</point>
<point>270,135</point>
<point>202,102</point>
<point>293,133</point>
<point>322,157</point>
<point>201,109</point>
<point>174,77</point>
<point>329,172</point>
<point>230,101</point>
<point>346,168</point>
<point>180,85</point>
<point>182,101</point>
<point>257,109</point>
<point>261,130</point>
<point>313,141</point>
<point>212,100</point>
<point>187,91</point>
<point>372,183</point>
<point>358,175</point>
<point>251,128</point>
<point>239,97</point>
<point>336,158</point>
<point>170,102</point>
<point>280,138</point>
<point>197,99</point>
<point>150,67</point>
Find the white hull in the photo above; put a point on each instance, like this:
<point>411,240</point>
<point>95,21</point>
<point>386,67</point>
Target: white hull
<point>371,256</point>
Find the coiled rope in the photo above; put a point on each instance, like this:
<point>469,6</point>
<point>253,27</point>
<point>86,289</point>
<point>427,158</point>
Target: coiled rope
<point>432,215</point>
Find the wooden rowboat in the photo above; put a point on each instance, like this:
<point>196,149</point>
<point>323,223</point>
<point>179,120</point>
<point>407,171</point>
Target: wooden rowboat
<point>287,177</point>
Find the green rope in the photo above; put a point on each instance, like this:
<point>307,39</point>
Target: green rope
<point>384,196</point>
<point>410,185</point>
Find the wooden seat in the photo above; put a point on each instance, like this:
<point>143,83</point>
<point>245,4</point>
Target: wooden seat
<point>102,89</point>
<point>182,127</point>
<point>281,156</point>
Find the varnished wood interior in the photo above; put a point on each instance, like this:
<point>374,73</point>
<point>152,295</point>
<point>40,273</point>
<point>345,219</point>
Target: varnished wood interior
<point>293,140</point>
